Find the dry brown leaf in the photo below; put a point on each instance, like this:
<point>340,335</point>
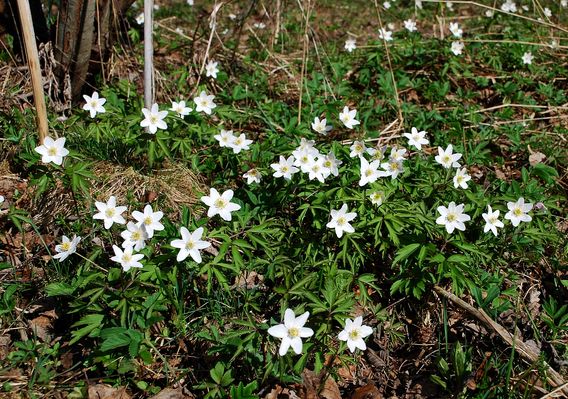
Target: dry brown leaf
<point>104,391</point>
<point>312,384</point>
<point>279,392</point>
<point>5,342</point>
<point>171,393</point>
<point>41,326</point>
<point>369,391</point>
<point>536,158</point>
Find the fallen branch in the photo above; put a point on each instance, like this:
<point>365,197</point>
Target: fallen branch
<point>554,378</point>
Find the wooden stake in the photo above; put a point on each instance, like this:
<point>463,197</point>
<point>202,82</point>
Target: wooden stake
<point>33,63</point>
<point>148,54</point>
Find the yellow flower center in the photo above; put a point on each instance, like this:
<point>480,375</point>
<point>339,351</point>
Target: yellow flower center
<point>204,103</point>
<point>293,332</point>
<point>354,334</point>
<point>93,104</point>
<point>109,212</point>
<point>459,178</point>
<point>368,172</point>
<point>190,245</point>
<point>66,246</point>
<point>446,159</point>
<point>341,221</point>
<point>285,169</point>
<point>452,217</point>
<point>136,236</point>
<point>492,220</point>
<point>220,203</point>
<point>153,119</point>
<point>517,212</point>
<point>148,220</point>
<point>52,151</point>
<point>126,258</point>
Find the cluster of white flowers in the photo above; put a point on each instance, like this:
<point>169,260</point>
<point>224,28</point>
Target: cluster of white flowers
<point>292,330</point>
<point>237,143</point>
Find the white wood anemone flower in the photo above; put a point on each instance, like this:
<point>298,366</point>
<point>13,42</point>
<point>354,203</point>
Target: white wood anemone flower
<point>291,332</point>
<point>52,150</point>
<point>354,334</point>
<point>220,204</point>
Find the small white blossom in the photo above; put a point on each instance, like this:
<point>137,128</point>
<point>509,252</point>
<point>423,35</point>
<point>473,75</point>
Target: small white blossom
<point>240,143</point>
<point>397,154</point>
<point>547,12</point>
<point>220,204</point>
<point>527,58</point>
<point>392,168</point>
<point>354,333</point>
<point>452,217</point>
<point>211,69</point>
<point>358,148</point>
<point>66,248</point>
<point>190,244</point>
<point>455,29</point>
<point>348,117</point>
<point>109,212</point>
<point>416,138</point>
<point>492,221</point>
<point>140,18</point>
<point>134,236</point>
<point>321,126</point>
<point>461,178</point>
<point>225,138</point>
<point>285,167</point>
<point>350,45</point>
<point>457,48</point>
<point>154,119</point>
<point>385,35</point>
<point>126,258</point>
<point>259,25</point>
<point>447,158</point>
<point>252,176</point>
<point>291,332</point>
<point>204,103</point>
<point>518,212</point>
<point>387,5</point>
<point>331,163</point>
<point>52,150</point>
<point>509,6</point>
<point>180,108</point>
<point>489,13</point>
<point>150,220</point>
<point>410,25</point>
<point>369,171</point>
<point>94,104</point>
<point>377,197</point>
<point>340,221</point>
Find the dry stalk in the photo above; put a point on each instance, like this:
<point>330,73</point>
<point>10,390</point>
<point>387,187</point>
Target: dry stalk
<point>304,55</point>
<point>526,352</point>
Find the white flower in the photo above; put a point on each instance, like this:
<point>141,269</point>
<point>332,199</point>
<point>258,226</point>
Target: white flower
<point>259,25</point>
<point>509,6</point>
<point>332,164</point>
<point>134,236</point>
<point>204,103</point>
<point>140,18</point>
<point>418,4</point>
<point>317,170</point>
<point>416,138</point>
<point>321,126</point>
<point>564,3</point>
<point>1,199</point>
<point>377,197</point>
<point>452,217</point>
<point>211,69</point>
<point>189,2</point>
<point>491,221</point>
<point>154,119</point>
<point>447,158</point>
<point>284,168</point>
<point>369,171</point>
<point>358,148</point>
<point>489,13</point>
<point>225,138</point>
<point>240,143</point>
<point>52,150</point>
<point>180,109</point>
<point>190,244</point>
<point>518,212</point>
<point>387,5</point>
<point>547,12</point>
<point>455,29</point>
<point>457,48</point>
<point>350,45</point>
<point>527,58</point>
<point>340,221</point>
<point>109,212</point>
<point>461,178</point>
<point>252,176</point>
<point>348,117</point>
<point>94,104</point>
<point>410,25</point>
<point>291,332</point>
<point>385,35</point>
<point>126,258</point>
<point>303,159</point>
<point>397,155</point>
<point>391,168</point>
<point>150,220</point>
<point>450,5</point>
<point>220,204</point>
<point>354,332</point>
<point>66,248</point>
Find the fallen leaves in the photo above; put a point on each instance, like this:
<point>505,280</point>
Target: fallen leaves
<point>104,391</point>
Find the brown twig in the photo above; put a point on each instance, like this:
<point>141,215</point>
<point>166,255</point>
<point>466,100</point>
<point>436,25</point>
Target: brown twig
<point>553,377</point>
